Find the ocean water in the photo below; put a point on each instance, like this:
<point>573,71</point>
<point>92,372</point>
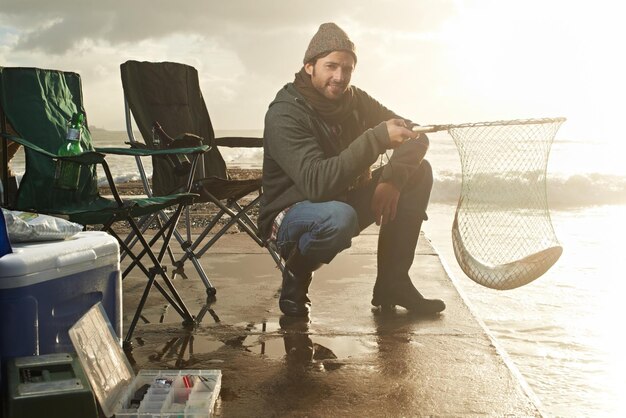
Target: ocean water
<point>562,331</point>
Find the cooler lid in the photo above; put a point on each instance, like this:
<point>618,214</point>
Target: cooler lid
<point>103,360</point>
<point>56,257</point>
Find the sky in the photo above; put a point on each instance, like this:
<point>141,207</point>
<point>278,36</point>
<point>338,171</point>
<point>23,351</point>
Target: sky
<point>432,61</point>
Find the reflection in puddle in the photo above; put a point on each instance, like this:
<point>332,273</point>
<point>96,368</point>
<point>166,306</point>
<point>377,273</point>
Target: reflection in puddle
<point>288,340</point>
<point>204,346</point>
<point>180,351</point>
<point>301,347</point>
<point>346,346</point>
<point>257,327</point>
<point>273,348</point>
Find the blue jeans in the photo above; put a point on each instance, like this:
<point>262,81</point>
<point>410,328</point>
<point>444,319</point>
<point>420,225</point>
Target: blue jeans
<point>322,230</point>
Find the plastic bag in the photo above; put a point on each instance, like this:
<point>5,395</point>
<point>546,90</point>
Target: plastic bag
<point>27,226</point>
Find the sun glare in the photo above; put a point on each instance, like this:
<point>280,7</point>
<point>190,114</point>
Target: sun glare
<point>545,58</point>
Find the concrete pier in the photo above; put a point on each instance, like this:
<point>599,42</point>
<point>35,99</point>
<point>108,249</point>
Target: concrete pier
<point>347,360</point>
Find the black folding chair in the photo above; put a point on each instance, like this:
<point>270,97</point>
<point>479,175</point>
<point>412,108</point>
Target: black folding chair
<point>166,101</point>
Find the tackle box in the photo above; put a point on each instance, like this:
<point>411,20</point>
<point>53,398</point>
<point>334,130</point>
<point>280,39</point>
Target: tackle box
<point>50,385</point>
<point>151,393</point>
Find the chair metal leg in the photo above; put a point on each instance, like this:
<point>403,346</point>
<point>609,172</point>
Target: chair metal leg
<point>142,302</point>
<point>157,263</point>
<point>170,294</point>
<point>187,247</point>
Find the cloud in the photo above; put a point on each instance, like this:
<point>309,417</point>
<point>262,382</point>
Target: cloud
<point>426,59</point>
<point>244,50</point>
<point>57,26</point>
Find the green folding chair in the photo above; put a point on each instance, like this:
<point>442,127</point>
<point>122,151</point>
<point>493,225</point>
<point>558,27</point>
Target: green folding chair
<point>38,104</point>
<point>169,94</point>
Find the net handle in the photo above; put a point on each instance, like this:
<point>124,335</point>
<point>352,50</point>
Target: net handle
<point>437,128</point>
<point>429,128</point>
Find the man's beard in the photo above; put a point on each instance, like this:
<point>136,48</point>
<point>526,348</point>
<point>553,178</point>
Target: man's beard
<point>331,85</point>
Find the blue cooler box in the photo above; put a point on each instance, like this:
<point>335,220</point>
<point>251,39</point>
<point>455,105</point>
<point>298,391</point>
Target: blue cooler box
<point>45,287</point>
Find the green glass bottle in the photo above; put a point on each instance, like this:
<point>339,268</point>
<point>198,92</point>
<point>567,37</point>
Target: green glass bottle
<point>67,173</point>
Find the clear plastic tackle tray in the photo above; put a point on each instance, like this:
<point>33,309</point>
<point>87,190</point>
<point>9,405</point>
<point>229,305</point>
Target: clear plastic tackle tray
<point>151,393</point>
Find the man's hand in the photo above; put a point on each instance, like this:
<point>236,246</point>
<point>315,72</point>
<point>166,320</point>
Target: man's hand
<point>398,132</point>
<point>385,203</point>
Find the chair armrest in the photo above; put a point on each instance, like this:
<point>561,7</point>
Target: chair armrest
<point>186,141</point>
<point>239,142</point>
<point>86,158</point>
<point>145,152</point>
<point>139,145</point>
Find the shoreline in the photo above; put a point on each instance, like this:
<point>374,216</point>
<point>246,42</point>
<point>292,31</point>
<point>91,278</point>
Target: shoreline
<point>135,187</point>
<point>199,213</point>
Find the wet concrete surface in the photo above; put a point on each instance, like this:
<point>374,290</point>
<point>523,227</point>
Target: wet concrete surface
<point>347,359</point>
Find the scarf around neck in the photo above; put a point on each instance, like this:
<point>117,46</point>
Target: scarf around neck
<point>332,111</point>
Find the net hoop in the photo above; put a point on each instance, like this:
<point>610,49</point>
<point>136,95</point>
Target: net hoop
<point>532,121</point>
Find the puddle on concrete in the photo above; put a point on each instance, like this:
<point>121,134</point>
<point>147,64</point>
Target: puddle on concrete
<point>175,351</point>
<point>290,341</point>
<point>203,345</point>
<point>324,348</point>
<point>273,348</point>
<point>258,327</point>
<point>345,346</point>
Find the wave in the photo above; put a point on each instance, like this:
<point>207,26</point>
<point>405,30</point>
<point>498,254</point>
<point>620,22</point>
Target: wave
<point>563,191</point>
<point>587,189</point>
<point>120,178</point>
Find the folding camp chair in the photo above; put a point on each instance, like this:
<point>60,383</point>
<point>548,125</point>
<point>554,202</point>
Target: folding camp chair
<point>38,104</point>
<point>167,96</point>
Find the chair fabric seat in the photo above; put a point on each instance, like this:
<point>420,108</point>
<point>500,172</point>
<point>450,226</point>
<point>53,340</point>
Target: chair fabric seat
<point>225,189</point>
<point>102,210</point>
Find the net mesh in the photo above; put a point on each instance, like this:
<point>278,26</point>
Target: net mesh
<point>502,233</point>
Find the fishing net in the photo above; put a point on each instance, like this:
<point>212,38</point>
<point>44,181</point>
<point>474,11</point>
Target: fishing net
<point>502,234</point>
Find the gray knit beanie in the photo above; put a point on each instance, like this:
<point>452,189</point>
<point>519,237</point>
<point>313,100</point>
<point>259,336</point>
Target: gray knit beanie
<point>328,38</point>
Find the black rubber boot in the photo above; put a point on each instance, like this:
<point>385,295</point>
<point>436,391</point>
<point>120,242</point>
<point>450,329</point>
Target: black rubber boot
<point>396,249</point>
<point>403,293</point>
<point>294,299</point>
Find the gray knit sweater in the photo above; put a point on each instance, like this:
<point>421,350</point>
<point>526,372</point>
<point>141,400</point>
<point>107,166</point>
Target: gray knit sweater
<point>302,160</point>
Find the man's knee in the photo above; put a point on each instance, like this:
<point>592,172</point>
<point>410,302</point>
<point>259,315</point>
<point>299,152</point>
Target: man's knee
<point>340,227</point>
<point>320,230</point>
<point>423,177</point>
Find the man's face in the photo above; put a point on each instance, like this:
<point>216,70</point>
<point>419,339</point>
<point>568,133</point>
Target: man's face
<point>331,74</point>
